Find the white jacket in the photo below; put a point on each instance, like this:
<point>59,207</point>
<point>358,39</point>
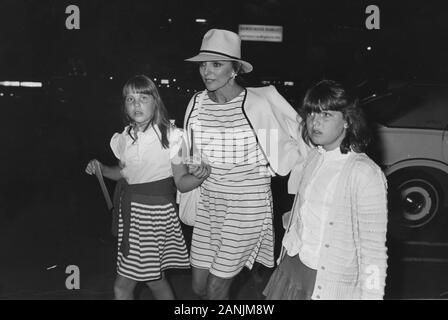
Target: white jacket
<point>277,127</point>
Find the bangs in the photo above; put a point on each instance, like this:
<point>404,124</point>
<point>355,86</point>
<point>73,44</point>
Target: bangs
<point>139,85</point>
<point>322,98</point>
<point>317,107</point>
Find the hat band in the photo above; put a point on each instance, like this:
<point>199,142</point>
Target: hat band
<point>220,53</point>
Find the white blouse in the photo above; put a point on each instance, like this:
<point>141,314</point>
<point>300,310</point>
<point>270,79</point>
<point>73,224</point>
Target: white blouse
<point>306,239</point>
<point>145,160</point>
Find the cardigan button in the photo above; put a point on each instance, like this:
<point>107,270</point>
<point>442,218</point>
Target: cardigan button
<point>323,268</point>
<point>331,223</point>
<point>319,287</point>
<point>317,297</point>
<point>327,246</point>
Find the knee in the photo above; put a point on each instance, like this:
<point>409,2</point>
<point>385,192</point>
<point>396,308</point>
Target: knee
<point>199,282</point>
<point>121,293</point>
<point>218,288</point>
<point>199,289</point>
<point>157,284</point>
<point>123,290</point>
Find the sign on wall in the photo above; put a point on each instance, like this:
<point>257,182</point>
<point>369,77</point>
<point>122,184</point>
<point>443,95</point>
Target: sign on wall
<point>252,32</point>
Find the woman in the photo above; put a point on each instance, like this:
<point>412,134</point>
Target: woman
<point>246,135</point>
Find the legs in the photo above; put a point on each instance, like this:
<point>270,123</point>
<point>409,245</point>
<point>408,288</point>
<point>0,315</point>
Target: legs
<point>211,287</point>
<point>199,282</point>
<point>161,288</point>
<point>124,288</point>
<point>218,288</point>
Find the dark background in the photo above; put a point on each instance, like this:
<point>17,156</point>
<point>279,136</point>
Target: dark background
<point>320,37</point>
<point>51,213</point>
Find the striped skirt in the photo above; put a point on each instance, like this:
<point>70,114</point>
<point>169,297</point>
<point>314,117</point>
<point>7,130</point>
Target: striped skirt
<point>156,241</point>
<point>233,229</point>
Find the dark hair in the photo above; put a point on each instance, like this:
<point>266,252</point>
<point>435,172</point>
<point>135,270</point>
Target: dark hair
<point>237,66</point>
<point>143,85</point>
<point>333,96</point>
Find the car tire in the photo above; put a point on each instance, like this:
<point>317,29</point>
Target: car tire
<point>415,202</point>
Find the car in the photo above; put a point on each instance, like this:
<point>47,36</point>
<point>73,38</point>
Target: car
<point>411,144</point>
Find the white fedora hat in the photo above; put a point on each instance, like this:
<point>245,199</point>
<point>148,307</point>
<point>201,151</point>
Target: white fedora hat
<point>220,44</point>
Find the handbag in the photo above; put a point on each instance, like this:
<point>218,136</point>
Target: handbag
<point>188,205</point>
<point>188,201</point>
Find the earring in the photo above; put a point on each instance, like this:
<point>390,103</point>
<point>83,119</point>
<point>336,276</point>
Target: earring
<point>345,126</point>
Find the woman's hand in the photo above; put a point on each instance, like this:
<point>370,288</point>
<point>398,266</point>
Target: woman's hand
<point>91,166</point>
<point>200,171</point>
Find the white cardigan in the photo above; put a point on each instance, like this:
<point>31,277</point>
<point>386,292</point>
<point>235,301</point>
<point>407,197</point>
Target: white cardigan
<point>276,125</point>
<point>353,259</point>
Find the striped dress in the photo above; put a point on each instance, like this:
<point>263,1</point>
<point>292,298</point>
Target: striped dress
<point>233,227</point>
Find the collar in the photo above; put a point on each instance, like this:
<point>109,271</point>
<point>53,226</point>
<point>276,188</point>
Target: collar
<point>151,133</point>
<point>334,154</point>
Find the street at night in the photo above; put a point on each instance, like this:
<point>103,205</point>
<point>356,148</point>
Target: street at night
<point>53,216</point>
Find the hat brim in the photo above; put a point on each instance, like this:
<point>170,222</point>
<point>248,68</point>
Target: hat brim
<point>246,67</point>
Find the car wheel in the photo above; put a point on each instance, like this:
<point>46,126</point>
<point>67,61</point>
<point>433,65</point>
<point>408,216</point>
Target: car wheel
<point>415,200</point>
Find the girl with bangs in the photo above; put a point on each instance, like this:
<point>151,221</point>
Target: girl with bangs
<point>334,243</point>
<point>150,238</point>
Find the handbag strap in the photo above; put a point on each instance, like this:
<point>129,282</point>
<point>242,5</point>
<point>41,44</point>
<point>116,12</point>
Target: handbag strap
<point>190,134</point>
<point>292,211</point>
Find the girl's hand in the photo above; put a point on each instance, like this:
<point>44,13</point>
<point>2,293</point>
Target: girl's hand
<point>200,171</point>
<point>90,169</point>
